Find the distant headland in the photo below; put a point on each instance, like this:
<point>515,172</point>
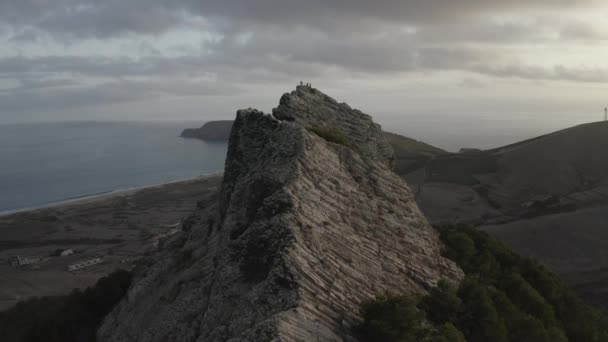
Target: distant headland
<point>211,131</point>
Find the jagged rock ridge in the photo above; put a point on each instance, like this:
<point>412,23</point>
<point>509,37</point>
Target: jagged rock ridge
<point>310,107</point>
<point>304,230</point>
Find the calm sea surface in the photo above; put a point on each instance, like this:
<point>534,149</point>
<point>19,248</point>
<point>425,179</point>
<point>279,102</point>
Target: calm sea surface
<point>50,162</point>
<point>45,163</point>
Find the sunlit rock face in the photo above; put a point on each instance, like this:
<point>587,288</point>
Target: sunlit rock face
<point>310,107</point>
<point>303,231</point>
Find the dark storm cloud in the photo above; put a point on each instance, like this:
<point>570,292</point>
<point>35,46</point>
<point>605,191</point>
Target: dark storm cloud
<point>399,10</point>
<point>113,17</point>
<point>85,18</point>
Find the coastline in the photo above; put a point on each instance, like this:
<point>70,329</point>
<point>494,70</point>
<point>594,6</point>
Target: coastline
<point>85,199</point>
<point>118,227</point>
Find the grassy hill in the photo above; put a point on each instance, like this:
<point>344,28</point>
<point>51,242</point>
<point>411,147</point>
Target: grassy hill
<point>561,163</point>
<point>411,154</point>
<point>546,197</point>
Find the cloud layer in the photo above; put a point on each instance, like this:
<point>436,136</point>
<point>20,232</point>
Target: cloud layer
<point>80,53</point>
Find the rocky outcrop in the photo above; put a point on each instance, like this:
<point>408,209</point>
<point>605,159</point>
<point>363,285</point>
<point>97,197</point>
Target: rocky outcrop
<point>311,108</point>
<point>211,131</point>
<point>303,231</point>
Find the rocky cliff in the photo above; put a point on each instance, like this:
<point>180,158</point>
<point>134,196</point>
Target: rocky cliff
<point>303,231</point>
<point>311,108</point>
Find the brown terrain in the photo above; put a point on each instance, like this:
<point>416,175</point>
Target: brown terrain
<point>546,197</point>
<point>117,228</point>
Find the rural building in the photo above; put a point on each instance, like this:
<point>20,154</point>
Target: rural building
<point>17,260</point>
<point>66,252</point>
<point>83,264</point>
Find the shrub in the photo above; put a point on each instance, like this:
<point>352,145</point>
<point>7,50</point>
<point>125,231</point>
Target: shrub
<point>71,318</point>
<point>330,134</point>
<point>504,297</point>
<point>184,258</point>
<point>393,319</point>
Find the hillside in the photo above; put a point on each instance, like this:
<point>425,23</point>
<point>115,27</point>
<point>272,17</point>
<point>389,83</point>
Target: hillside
<point>504,297</point>
<point>304,231</point>
<point>410,154</point>
<point>572,244</point>
<point>546,197</point>
<point>562,163</point>
<point>560,171</point>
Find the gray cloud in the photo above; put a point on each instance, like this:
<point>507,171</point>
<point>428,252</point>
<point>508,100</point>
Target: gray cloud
<point>579,30</point>
<point>268,41</point>
<point>61,94</point>
<point>399,10</point>
<point>113,17</point>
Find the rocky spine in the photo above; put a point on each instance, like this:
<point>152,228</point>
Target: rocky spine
<point>304,230</point>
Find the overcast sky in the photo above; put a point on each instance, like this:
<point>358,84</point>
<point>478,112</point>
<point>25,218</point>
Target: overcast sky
<point>542,61</point>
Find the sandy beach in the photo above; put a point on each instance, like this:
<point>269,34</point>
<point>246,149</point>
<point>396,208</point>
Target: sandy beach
<point>118,227</point>
<point>107,195</point>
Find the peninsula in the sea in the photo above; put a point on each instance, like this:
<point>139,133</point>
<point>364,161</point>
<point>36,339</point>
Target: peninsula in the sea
<point>210,131</point>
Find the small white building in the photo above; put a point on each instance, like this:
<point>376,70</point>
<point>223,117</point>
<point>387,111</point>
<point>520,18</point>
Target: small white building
<point>83,264</point>
<point>17,260</point>
<point>66,252</point>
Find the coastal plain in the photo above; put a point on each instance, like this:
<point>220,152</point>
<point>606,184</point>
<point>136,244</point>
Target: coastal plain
<point>118,228</point>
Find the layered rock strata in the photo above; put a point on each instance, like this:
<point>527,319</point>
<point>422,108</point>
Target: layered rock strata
<point>303,231</point>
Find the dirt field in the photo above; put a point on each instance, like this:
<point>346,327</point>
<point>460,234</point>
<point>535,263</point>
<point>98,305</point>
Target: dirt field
<point>449,203</point>
<point>118,228</point>
<point>574,245</point>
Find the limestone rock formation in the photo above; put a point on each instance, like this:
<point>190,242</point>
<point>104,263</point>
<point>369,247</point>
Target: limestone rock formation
<point>311,108</point>
<point>302,232</point>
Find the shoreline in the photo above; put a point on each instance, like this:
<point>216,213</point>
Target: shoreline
<point>105,195</point>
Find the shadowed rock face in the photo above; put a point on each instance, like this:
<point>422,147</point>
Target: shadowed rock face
<point>303,232</point>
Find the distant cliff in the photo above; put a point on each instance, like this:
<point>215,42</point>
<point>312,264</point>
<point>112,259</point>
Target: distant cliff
<point>309,223</point>
<point>212,131</point>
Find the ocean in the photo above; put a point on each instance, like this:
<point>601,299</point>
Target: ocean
<point>43,163</point>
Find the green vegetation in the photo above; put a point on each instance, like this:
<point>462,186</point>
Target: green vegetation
<point>330,134</point>
<point>399,319</point>
<point>504,297</point>
<point>71,318</point>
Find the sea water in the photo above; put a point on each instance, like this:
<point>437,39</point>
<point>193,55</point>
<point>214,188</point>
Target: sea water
<point>42,163</point>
